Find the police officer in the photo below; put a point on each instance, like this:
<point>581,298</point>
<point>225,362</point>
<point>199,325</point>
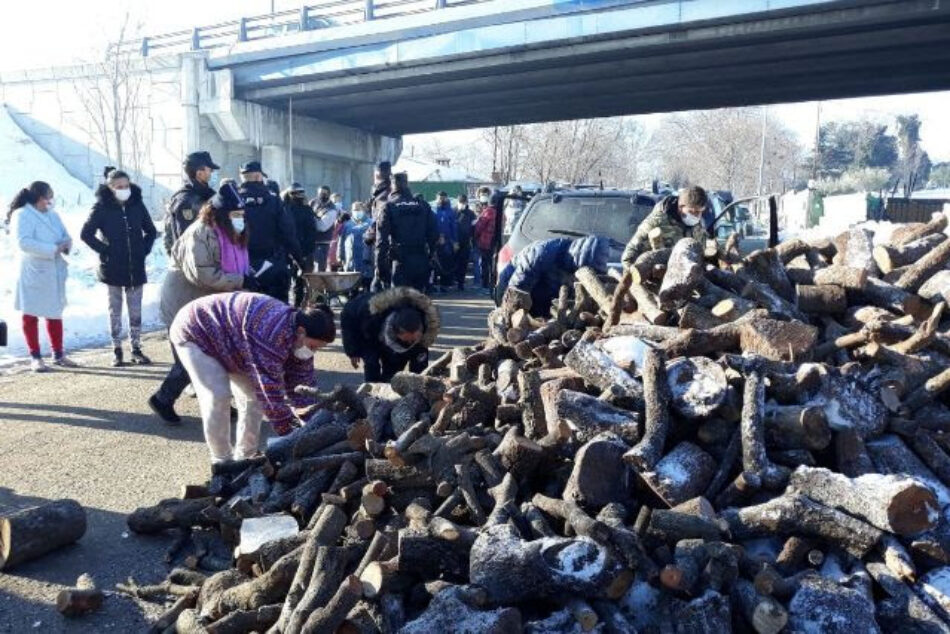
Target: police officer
<point>407,235</point>
<point>272,236</point>
<point>382,189</point>
<point>186,202</point>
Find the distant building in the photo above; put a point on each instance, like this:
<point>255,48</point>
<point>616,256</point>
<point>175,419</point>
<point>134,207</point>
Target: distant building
<point>428,178</point>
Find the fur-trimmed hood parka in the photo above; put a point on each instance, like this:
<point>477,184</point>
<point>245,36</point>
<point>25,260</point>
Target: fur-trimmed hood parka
<point>364,320</point>
<point>122,235</point>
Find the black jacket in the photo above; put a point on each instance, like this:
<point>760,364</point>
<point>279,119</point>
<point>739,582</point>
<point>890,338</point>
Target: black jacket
<point>466,228</point>
<point>406,230</point>
<point>270,229</point>
<point>122,235</point>
<point>363,318</point>
<point>305,223</point>
<point>183,208</point>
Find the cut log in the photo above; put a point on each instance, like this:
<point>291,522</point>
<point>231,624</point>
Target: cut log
<point>795,514</point>
<point>771,301</point>
<point>925,394</point>
<point>598,369</point>
<point>681,475</point>
<point>706,614</point>
<point>586,416</point>
<point>692,315</point>
<point>697,386</point>
<point>648,305</point>
<point>908,233</point>
<point>903,610</point>
<point>891,297</point>
<point>589,279</point>
<point>797,427</point>
<point>925,267</point>
<point>765,266</point>
<point>893,256</point>
<point>937,287</point>
<point>650,266</point>
<point>672,526</point>
<point>656,395</point>
<point>891,456</point>
<point>332,615</point>
<point>821,605</point>
<point>828,299</point>
<point>851,454</point>
<point>512,570</point>
<point>518,455</point>
<point>31,533</point>
<point>619,300</point>
<point>450,612</point>
<point>755,460</point>
<point>573,515</point>
<point>599,475</point>
<point>846,277</point>
<point>762,612</point>
<point>85,597</point>
<point>896,504</point>
<point>683,273</point>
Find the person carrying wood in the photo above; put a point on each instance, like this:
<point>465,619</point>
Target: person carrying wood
<point>256,349</point>
<point>540,268</point>
<point>389,330</point>
<point>673,218</point>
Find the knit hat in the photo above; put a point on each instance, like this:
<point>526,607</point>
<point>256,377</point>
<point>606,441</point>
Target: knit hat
<point>227,198</point>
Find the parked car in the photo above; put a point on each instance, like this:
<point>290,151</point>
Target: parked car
<point>573,213</point>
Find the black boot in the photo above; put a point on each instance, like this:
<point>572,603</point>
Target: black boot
<point>165,411</point>
<point>138,358</point>
<point>117,361</point>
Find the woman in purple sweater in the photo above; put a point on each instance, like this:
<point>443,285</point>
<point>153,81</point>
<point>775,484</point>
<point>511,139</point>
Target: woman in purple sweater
<point>256,349</point>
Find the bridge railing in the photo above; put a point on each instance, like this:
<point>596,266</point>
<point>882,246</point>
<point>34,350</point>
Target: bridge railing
<point>310,17</point>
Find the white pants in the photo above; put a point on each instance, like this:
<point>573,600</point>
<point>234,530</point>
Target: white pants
<point>214,388</point>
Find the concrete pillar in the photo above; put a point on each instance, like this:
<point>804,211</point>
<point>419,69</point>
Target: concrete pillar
<point>190,84</point>
<point>275,161</point>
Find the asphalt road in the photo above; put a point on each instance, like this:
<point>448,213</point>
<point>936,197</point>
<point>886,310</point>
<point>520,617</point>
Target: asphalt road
<point>87,434</point>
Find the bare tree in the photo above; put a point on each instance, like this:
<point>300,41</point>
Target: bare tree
<point>721,149</point>
<point>111,91</point>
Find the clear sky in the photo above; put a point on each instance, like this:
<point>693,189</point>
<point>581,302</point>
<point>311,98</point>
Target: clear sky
<point>66,32</point>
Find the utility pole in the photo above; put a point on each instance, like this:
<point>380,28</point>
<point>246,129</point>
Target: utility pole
<point>817,158</point>
<point>765,119</point>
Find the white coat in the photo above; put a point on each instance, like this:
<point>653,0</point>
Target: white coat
<point>41,281</point>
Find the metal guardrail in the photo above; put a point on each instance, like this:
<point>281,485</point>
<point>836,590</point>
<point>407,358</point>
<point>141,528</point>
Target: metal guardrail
<point>311,17</point>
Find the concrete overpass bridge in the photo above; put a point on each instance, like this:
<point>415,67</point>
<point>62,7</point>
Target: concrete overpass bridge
<point>321,93</point>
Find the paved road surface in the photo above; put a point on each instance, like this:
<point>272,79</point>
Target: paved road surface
<point>88,434</point>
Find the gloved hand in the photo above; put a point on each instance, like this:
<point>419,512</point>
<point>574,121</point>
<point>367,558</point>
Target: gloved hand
<point>251,284</point>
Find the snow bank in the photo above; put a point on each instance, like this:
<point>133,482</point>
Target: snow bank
<point>86,318</point>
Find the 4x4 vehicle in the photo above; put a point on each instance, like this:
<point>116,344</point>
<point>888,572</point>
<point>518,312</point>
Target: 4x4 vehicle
<point>574,213</point>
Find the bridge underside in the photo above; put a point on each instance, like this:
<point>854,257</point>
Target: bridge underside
<point>823,51</point>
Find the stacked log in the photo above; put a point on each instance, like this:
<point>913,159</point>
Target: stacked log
<point>708,443</point>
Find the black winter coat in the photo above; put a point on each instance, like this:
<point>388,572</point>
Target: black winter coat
<point>304,222</point>
<point>183,208</point>
<point>364,316</point>
<point>270,229</point>
<point>122,235</point>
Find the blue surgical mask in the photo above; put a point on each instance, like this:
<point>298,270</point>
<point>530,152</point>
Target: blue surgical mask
<point>238,224</point>
<point>360,216</point>
<point>214,180</point>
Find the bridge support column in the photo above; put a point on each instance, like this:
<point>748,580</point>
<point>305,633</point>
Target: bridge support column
<point>274,158</point>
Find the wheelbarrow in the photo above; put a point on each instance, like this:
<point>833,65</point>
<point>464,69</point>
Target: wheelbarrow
<point>324,287</point>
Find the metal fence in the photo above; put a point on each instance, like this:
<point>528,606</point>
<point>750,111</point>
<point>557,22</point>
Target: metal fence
<point>310,17</point>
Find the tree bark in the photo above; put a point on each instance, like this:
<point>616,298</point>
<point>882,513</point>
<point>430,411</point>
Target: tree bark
<point>34,532</point>
<point>683,273</point>
<point>656,396</point>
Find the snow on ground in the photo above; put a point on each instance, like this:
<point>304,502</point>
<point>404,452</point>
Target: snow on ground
<point>85,321</point>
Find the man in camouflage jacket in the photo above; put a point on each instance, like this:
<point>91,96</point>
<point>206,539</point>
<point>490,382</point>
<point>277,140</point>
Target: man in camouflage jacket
<point>676,217</point>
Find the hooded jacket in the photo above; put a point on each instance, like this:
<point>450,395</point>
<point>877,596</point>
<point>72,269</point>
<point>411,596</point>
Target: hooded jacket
<point>544,265</point>
<point>122,235</point>
<point>364,318</point>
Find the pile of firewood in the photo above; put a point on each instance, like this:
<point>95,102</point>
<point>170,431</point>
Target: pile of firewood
<point>708,443</point>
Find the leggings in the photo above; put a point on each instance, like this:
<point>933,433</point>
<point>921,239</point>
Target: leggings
<point>54,329</point>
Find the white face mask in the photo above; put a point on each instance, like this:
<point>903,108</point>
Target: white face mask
<point>303,353</point>
<point>122,195</point>
<point>690,220</point>
<point>238,224</point>
<point>484,199</point>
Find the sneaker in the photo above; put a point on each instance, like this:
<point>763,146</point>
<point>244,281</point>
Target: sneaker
<point>165,411</point>
<point>37,365</point>
<point>63,361</point>
<point>138,358</point>
<point>117,361</point>
<point>190,391</point>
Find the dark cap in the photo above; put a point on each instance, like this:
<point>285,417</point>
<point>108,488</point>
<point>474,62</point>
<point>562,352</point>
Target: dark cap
<point>200,160</point>
<point>442,194</point>
<point>384,167</point>
<point>227,198</point>
<point>401,178</point>
<point>297,187</point>
<point>251,167</point>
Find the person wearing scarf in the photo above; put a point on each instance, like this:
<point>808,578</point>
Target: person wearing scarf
<point>210,257</point>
